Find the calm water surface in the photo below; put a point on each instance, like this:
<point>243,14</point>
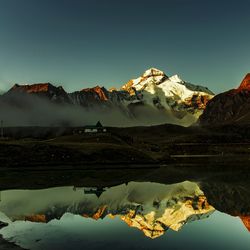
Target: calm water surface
<point>135,215</point>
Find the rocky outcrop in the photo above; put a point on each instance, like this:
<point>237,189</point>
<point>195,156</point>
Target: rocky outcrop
<point>229,107</point>
<point>97,92</point>
<point>99,96</point>
<point>36,218</point>
<point>246,221</point>
<point>197,101</point>
<point>43,90</point>
<point>89,97</point>
<point>245,85</point>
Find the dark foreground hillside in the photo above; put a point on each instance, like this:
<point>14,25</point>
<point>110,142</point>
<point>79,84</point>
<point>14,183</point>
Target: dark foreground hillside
<point>58,147</point>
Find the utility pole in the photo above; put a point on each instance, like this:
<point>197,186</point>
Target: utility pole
<point>1,129</point>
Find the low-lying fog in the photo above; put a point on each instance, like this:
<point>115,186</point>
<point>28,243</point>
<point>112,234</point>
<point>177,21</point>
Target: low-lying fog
<point>27,110</point>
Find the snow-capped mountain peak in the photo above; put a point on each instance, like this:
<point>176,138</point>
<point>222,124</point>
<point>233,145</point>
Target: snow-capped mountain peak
<point>157,77</point>
<point>171,99</point>
<point>173,94</point>
<point>153,72</point>
<point>176,78</point>
<point>151,76</point>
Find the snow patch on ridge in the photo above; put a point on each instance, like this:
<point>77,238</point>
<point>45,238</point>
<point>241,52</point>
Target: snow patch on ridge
<point>176,78</point>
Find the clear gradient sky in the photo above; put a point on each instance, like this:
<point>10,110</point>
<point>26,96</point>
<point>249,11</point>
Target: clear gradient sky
<point>81,43</point>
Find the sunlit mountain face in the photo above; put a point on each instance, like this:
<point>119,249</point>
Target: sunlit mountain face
<point>230,107</point>
<point>165,99</point>
<point>76,212</point>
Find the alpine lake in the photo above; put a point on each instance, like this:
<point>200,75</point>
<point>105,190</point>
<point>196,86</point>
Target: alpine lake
<point>144,207</point>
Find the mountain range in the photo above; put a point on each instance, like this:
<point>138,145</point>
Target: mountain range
<point>152,98</point>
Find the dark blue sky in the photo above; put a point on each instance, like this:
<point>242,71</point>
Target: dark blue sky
<point>83,43</point>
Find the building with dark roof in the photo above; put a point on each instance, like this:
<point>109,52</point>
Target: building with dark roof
<point>98,128</point>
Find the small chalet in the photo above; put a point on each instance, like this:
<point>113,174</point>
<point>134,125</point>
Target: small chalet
<point>98,128</point>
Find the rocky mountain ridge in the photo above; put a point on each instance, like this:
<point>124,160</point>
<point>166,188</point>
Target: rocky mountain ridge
<point>170,98</point>
<point>230,107</point>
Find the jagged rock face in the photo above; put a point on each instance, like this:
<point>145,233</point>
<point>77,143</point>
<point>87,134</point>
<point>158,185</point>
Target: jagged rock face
<point>155,88</point>
<point>36,218</point>
<point>100,92</point>
<point>246,221</point>
<point>245,85</point>
<point>151,207</point>
<point>44,90</point>
<point>89,97</point>
<point>97,96</point>
<point>86,97</point>
<point>186,210</point>
<point>229,107</point>
<point>150,74</point>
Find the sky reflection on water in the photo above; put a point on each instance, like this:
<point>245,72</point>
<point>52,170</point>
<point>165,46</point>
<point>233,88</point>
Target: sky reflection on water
<point>75,228</point>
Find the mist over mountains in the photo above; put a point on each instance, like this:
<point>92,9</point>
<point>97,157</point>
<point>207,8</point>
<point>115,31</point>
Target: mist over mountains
<point>150,99</point>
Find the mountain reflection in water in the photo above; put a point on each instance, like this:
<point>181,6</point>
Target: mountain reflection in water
<point>152,208</point>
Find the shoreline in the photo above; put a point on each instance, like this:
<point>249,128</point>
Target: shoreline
<point>36,178</point>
